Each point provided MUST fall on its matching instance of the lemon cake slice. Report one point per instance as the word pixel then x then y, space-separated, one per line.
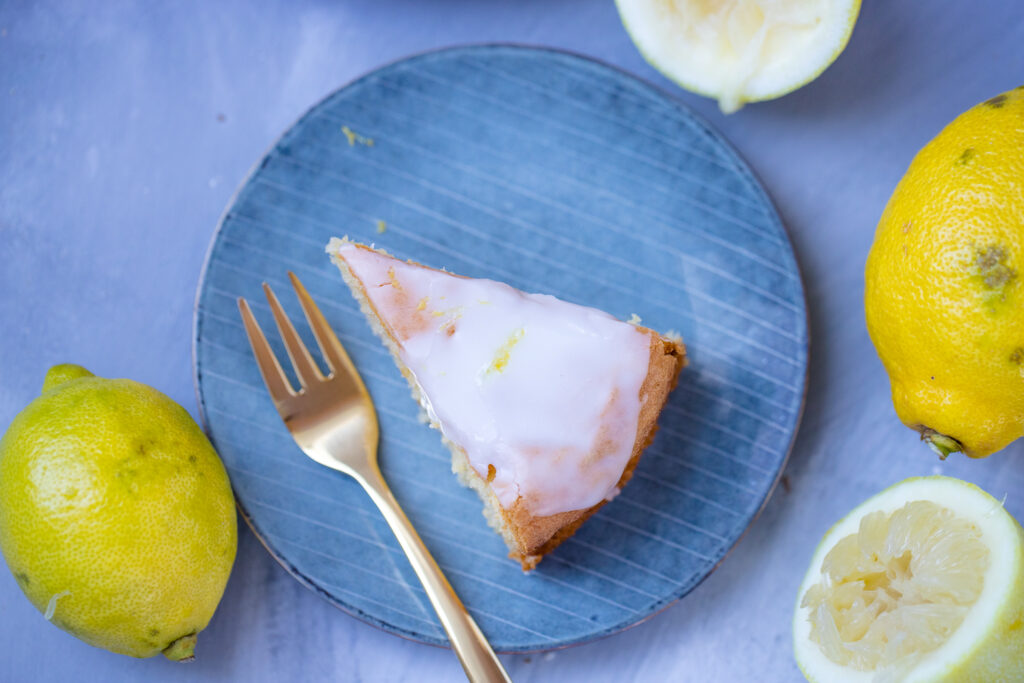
pixel 545 405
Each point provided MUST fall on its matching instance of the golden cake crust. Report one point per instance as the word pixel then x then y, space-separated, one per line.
pixel 538 536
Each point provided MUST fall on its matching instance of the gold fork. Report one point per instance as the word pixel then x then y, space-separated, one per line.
pixel 333 421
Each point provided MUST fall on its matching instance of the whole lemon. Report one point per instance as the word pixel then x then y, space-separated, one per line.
pixel 116 515
pixel 943 296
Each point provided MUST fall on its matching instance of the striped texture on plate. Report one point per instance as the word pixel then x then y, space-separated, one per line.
pixel 555 174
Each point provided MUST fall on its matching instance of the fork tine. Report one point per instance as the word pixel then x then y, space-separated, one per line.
pixel 335 354
pixel 305 369
pixel 273 376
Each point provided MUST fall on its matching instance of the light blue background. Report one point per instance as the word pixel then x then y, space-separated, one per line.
pixel 124 129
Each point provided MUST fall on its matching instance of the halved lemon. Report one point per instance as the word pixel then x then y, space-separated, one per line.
pixel 922 582
pixel 740 51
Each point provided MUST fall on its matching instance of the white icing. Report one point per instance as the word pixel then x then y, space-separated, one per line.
pixel 546 391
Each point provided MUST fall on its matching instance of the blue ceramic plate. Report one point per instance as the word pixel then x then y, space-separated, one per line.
pixel 555 174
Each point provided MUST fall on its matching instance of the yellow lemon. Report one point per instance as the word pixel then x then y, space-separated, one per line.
pixel 116 515
pixel 740 51
pixel 943 296
pixel 922 583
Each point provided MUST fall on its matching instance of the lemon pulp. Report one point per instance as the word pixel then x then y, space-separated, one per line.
pixel 740 50
pixel 921 583
pixel 897 588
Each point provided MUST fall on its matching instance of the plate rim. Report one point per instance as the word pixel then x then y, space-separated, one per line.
pixel 744 168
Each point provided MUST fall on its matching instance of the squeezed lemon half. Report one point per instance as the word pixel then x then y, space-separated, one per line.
pixel 740 51
pixel 922 582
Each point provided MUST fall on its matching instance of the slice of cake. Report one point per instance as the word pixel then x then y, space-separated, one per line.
pixel 545 405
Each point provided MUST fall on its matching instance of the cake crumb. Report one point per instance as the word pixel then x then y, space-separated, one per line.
pixel 634 319
pixel 422 306
pixel 381 227
pixel 393 280
pixel 354 137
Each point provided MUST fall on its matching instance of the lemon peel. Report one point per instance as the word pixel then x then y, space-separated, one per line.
pixel 110 492
pixel 943 295
pixel 51 605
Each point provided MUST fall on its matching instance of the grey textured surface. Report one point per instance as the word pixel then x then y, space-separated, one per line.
pixel 124 129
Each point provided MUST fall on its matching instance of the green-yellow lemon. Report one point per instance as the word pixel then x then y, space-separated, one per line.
pixel 116 515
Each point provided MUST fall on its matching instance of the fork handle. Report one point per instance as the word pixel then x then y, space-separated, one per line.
pixel 471 647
